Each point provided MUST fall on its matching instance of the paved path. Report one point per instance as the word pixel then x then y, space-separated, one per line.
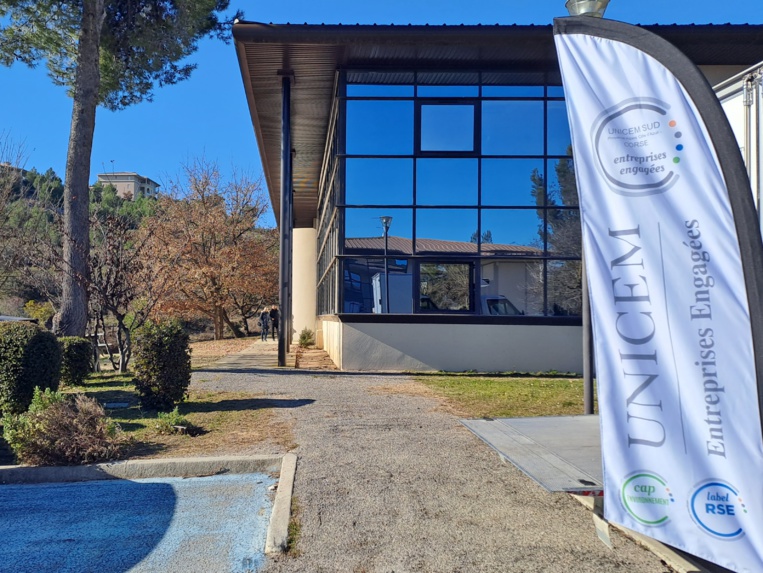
pixel 387 481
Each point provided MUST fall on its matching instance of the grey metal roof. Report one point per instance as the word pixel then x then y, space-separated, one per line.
pixel 314 53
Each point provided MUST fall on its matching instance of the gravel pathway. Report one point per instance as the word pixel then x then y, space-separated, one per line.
pixel 388 482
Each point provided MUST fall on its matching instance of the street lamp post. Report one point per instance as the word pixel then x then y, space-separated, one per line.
pixel 386 221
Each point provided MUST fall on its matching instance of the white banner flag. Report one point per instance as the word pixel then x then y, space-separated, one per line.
pixel 672 248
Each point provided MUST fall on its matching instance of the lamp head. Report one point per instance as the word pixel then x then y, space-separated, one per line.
pixel 386 221
pixel 593 8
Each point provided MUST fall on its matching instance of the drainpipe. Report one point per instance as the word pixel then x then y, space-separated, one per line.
pixel 284 297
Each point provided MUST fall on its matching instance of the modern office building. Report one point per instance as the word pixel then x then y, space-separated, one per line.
pixel 423 183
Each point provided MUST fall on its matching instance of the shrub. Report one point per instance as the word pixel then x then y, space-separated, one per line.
pixel 162 365
pixel 29 356
pixel 174 423
pixel 42 312
pixel 77 359
pixel 306 338
pixel 61 431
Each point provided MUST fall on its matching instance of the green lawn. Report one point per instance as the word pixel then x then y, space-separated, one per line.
pixel 229 422
pixel 503 396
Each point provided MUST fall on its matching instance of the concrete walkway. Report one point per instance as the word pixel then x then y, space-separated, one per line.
pixel 388 481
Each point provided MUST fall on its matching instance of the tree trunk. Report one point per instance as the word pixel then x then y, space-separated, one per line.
pixel 219 324
pixel 233 327
pixel 72 317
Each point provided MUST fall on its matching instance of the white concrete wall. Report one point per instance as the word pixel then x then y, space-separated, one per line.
pixel 305 280
pixel 480 347
pixel 331 336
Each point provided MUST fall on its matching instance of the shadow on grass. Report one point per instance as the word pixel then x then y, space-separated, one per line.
pixel 241 405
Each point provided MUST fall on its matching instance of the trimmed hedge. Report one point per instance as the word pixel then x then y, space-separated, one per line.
pixel 162 365
pixel 77 356
pixel 30 357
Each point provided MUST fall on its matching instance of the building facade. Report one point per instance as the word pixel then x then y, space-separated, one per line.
pixel 129 185
pixel 424 185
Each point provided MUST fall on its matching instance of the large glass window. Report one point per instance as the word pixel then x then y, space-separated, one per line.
pixel 379 127
pixel 445 287
pixel 447 128
pixel 379 181
pixel 364 231
pixel 446 231
pixel 512 127
pixel 447 181
pixel 473 170
pixel 509 182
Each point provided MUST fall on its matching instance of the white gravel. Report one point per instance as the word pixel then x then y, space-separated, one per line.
pixel 389 483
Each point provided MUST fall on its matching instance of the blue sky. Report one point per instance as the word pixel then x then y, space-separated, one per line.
pixel 207 115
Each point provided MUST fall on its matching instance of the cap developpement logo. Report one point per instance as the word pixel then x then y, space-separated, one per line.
pixel 638 147
pixel 647 498
pixel 718 509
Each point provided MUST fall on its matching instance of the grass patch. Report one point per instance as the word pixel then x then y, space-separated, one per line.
pixel 484 396
pixel 226 422
pixel 294 530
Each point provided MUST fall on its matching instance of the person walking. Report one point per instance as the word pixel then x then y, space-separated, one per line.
pixel 274 321
pixel 264 324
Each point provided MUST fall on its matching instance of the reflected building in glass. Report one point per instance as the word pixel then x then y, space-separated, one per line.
pixel 459 134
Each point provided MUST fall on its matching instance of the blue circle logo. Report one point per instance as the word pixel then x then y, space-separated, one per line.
pixel 718 509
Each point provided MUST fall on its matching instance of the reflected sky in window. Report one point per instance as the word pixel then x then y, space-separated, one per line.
pixel 512 127
pixel 559 139
pixel 366 223
pixel 379 182
pixel 446 181
pixel 507 182
pixel 380 127
pixel 445 225
pixel 518 227
pixel 447 127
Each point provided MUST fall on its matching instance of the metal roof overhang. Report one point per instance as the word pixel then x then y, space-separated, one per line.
pixel 314 54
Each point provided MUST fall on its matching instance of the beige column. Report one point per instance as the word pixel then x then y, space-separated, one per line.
pixel 304 280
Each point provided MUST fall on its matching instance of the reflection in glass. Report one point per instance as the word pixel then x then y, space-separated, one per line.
pixel 559 139
pixel 447 127
pixel 364 233
pixel 512 91
pixel 379 182
pixel 446 231
pixel 507 182
pixel 446 181
pixel 379 127
pixel 364 286
pixel 564 288
pixel 514 280
pixel 448 91
pixel 562 185
pixel 378 90
pixel 512 127
pixel 512 232
pixel 445 287
pixel 564 232
pixel 555 91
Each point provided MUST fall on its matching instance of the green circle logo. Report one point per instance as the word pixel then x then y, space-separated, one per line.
pixel 647 498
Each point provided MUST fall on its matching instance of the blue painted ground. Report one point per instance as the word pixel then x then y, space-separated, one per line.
pixel 206 525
